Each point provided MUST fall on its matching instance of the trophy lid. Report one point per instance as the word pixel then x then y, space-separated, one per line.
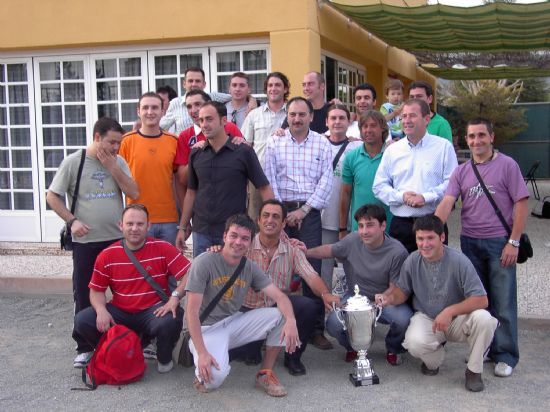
pixel 357 302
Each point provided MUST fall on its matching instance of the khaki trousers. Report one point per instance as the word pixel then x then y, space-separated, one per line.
pixel 476 328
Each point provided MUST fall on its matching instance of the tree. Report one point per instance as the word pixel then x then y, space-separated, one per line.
pixel 534 90
pixel 492 99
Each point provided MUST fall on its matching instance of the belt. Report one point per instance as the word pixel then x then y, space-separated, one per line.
pixel 294 204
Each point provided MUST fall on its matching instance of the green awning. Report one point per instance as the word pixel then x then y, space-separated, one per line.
pixel 492 27
pixel 498 27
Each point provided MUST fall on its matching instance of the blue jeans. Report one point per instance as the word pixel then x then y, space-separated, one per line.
pixel 398 317
pixel 202 241
pixel 164 231
pixel 500 284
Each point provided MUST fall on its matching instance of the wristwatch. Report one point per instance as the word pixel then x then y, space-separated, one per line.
pixel 176 294
pixel 514 243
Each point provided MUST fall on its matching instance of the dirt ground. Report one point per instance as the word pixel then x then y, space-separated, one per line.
pixel 36 373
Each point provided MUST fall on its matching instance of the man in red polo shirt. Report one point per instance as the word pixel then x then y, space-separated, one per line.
pixel 135 303
pixel 194 100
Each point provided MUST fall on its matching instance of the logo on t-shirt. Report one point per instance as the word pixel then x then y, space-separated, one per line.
pixel 192 141
pixel 477 191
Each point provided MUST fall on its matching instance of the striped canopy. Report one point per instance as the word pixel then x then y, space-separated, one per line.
pixel 497 28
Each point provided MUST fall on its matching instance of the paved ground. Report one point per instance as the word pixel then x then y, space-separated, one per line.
pixel 36 373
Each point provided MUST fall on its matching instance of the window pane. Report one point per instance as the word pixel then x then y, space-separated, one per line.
pixel 23 201
pixel 49 71
pixel 52 136
pixel 49 177
pixel 166 65
pixel 20 137
pixel 75 136
pixel 256 82
pixel 19 115
pixel 3 137
pixel 17 72
pixel 3 119
pixel 5 201
pixel 73 70
pixel 4 159
pixel 254 60
pixel 2 76
pixel 5 180
pixel 107 91
pixel 130 89
pixel 190 60
pixel 74 92
pixel 223 83
pixel 18 94
pixel 130 67
pixel 129 112
pixel 2 94
pixel 173 83
pixel 228 61
pixel 107 110
pixel 22 180
pixel 75 114
pixel 52 158
pixel 105 68
pixel 51 115
pixel 21 158
pixel 51 93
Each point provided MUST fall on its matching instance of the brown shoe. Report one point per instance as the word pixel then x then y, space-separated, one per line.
pixel 199 386
pixel 473 381
pixel 320 342
pixel 268 381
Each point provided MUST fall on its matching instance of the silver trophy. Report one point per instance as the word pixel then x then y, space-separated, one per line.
pixel 359 319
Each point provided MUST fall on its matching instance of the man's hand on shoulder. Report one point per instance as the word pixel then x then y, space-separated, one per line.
pixel 298 244
pixel 215 248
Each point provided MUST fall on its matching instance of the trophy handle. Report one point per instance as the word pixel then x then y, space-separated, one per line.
pixel 339 315
pixel 378 314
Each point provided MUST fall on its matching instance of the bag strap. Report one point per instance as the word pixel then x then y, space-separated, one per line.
pixel 229 283
pixel 160 291
pixel 491 200
pixel 78 176
pixel 339 155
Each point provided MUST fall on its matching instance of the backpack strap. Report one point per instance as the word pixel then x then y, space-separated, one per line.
pixel 339 155
pixel 160 291
pixel 229 283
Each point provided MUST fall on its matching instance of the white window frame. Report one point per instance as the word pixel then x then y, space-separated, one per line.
pixel 24 225
pixel 237 48
pixel 153 77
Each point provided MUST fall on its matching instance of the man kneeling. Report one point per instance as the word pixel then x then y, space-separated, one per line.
pixel 225 327
pixel 449 301
pixel 135 303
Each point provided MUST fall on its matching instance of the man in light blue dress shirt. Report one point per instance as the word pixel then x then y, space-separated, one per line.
pixel 414 172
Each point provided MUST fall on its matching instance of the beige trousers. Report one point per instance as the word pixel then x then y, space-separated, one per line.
pixel 476 328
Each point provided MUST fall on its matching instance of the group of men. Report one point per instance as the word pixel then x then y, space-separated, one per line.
pixel 300 168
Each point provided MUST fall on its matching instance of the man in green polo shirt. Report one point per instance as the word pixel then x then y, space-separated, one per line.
pixel 360 167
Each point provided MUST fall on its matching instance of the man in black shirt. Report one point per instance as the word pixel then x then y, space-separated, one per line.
pixel 217 185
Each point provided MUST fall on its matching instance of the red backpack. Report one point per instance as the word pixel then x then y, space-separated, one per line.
pixel 117 360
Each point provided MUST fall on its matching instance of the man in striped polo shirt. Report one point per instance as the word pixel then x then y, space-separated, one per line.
pixel 135 303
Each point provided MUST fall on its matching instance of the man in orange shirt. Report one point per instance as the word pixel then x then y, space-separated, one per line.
pixel 150 154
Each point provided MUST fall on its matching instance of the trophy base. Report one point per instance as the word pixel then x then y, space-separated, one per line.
pixel 371 380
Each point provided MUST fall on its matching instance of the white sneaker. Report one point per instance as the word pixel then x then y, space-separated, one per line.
pixel 503 370
pixel 82 359
pixel 165 367
pixel 150 351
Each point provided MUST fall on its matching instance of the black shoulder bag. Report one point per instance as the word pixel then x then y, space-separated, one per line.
pixel 525 250
pixel 65 236
pixel 339 155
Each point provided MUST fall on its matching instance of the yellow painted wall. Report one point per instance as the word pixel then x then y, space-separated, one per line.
pixel 297 30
